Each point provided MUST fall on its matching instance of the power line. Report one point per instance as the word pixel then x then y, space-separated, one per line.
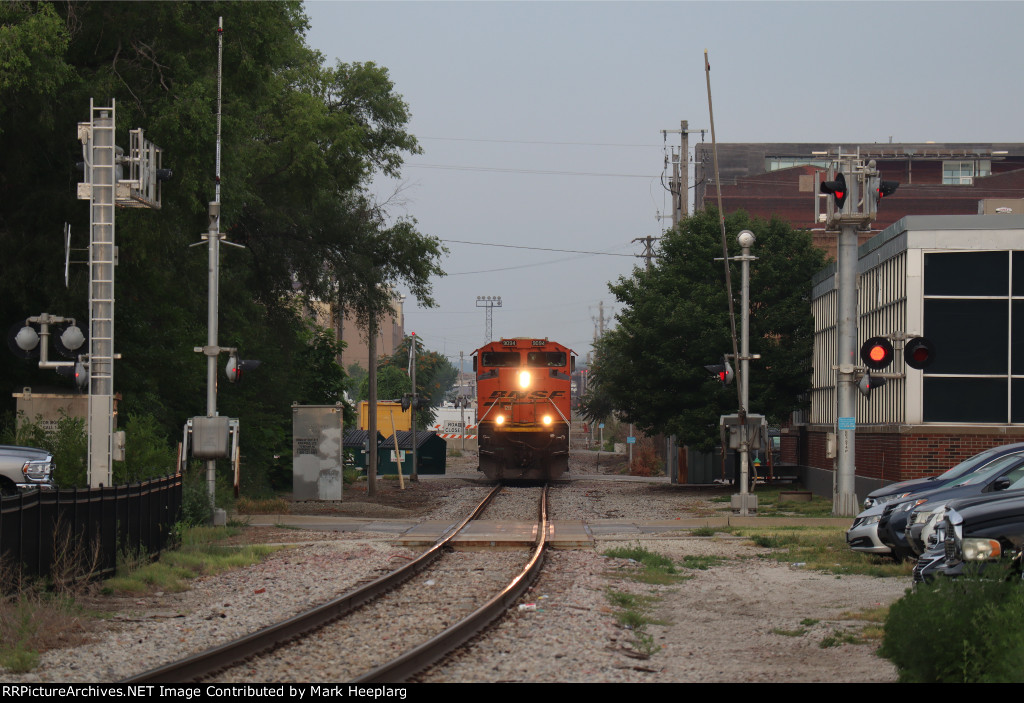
pixel 518 246
pixel 529 141
pixel 529 171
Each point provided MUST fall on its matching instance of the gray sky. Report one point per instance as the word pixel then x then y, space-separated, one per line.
pixel 541 122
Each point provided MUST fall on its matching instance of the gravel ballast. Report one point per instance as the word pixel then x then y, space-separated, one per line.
pixel 746 619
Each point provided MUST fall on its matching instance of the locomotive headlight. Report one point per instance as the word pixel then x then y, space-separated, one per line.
pixel 524 379
pixel 499 420
pixel 546 419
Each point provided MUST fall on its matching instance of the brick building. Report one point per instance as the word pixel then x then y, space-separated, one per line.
pixel 958 280
pixel 935 179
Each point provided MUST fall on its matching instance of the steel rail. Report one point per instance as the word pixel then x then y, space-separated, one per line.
pixel 433 650
pixel 224 656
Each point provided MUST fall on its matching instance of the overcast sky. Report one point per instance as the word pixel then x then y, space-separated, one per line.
pixel 541 122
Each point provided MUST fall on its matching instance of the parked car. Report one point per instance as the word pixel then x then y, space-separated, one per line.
pixel 979 531
pixel 894 491
pixel 997 475
pixel 924 526
pixel 25 468
pixel 863 535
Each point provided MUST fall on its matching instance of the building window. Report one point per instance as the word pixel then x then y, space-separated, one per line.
pixel 964 172
pixel 973 312
pixel 774 163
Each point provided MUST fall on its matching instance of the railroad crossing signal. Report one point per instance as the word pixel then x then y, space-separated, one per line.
pixel 869 383
pixel 837 189
pixel 236 368
pixel 919 352
pixel 877 353
pixel 723 371
pixel 885 189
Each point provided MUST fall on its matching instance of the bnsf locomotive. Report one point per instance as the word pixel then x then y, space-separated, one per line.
pixel 523 406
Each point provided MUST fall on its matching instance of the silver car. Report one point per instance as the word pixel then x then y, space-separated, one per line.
pixel 863 535
pixel 25 468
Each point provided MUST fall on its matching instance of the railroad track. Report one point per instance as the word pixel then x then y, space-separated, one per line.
pixel 244 651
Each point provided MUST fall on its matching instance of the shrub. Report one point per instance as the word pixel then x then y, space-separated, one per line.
pixel 964 630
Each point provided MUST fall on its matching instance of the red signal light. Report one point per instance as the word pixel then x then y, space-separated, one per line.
pixel 877 353
pixel 837 189
pixel 919 352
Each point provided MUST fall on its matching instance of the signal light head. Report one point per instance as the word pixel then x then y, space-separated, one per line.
pixel 837 189
pixel 869 383
pixel 886 188
pixel 877 353
pixel 919 353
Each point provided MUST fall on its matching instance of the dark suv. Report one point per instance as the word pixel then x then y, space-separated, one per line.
pixel 25 468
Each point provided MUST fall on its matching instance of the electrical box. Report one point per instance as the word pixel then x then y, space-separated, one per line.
pixel 211 437
pixel 830 445
pixel 730 425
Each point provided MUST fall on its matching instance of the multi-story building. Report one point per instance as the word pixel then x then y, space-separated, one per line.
pixel 390 333
pixel 959 281
pixel 935 179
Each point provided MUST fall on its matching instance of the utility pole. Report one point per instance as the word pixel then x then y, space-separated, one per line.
pixel 414 405
pixel 648 243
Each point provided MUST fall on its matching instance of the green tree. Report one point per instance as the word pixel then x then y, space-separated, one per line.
pixel 301 142
pixel 674 320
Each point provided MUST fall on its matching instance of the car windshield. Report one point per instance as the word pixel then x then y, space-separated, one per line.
pixel 982 475
pixel 965 466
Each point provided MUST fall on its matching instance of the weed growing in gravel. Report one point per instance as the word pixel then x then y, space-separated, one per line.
pixel 199 555
pixel 703 562
pixel 632 615
pixel 262 506
pixel 654 568
pixel 33 620
pixel 789 633
pixel 822 549
pixel 809 622
pixel 840 637
pixel 703 532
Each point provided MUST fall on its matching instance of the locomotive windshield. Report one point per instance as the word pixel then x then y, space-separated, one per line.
pixel 541 358
pixel 502 358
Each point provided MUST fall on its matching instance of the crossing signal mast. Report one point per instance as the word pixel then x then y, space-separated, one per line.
pixel 852 190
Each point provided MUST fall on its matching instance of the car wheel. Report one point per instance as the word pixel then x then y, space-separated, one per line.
pixel 7 488
pixel 901 554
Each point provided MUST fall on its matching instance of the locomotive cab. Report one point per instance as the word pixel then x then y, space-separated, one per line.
pixel 523 404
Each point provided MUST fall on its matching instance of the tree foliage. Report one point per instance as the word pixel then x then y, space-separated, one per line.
pixel 301 141
pixel 674 320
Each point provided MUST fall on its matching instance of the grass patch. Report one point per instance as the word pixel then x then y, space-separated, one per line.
pixel 653 568
pixel 822 549
pixel 839 638
pixel 769 503
pixel 199 555
pixel 33 620
pixel 703 532
pixel 788 633
pixel 703 562
pixel 632 615
pixel 262 506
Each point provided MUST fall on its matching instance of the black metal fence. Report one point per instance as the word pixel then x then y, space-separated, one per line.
pixel 81 531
